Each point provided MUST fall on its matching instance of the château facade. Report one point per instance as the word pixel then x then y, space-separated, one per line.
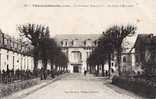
pixel 78 48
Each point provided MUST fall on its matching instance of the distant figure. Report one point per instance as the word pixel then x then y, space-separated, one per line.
pixel 42 73
pixel 85 72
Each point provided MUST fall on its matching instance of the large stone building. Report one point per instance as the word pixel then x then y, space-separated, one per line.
pixel 127 61
pixel 145 52
pixel 77 47
pixel 15 54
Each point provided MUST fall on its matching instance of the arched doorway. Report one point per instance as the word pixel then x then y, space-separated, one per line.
pixel 76 69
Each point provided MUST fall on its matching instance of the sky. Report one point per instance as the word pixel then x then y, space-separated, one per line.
pixel 79 17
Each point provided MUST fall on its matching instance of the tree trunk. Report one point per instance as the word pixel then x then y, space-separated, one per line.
pixel 35 66
pixel 119 59
pixel 44 62
pixel 90 68
pixel 52 70
pixel 98 70
pixel 35 55
pixel 87 67
pixel 35 63
pixel 102 69
pixel 109 64
pixel 52 63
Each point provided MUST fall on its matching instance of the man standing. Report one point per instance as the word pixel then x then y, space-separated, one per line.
pixel 85 72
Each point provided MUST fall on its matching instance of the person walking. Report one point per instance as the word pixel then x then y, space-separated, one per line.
pixel 85 72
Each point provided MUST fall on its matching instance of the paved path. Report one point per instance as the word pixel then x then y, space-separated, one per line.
pixel 77 86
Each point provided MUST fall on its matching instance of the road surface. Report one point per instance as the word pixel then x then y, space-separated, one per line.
pixel 77 86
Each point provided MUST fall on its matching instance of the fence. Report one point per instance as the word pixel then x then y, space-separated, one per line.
pixel 9 76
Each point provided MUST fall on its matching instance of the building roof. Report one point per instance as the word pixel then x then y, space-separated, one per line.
pixel 80 37
pixel 143 39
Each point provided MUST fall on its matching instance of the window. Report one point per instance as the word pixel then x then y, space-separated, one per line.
pixel 88 42
pixel 7 57
pixel 84 43
pixel 124 59
pixel 72 43
pixel 13 61
pixel 87 54
pixel 66 43
pixel 76 56
pixel 96 42
pixel 75 42
pixel 11 44
pixel 5 41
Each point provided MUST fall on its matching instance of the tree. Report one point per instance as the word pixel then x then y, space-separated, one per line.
pixel 97 58
pixel 117 34
pixel 52 49
pixel 36 34
pixel 61 60
pixel 45 48
pixel 106 45
pixel 110 42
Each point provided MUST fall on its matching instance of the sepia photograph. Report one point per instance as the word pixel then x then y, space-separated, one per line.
pixel 77 49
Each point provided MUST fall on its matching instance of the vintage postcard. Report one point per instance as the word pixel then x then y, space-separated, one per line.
pixel 77 49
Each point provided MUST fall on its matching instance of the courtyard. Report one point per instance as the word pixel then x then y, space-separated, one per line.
pixel 78 86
